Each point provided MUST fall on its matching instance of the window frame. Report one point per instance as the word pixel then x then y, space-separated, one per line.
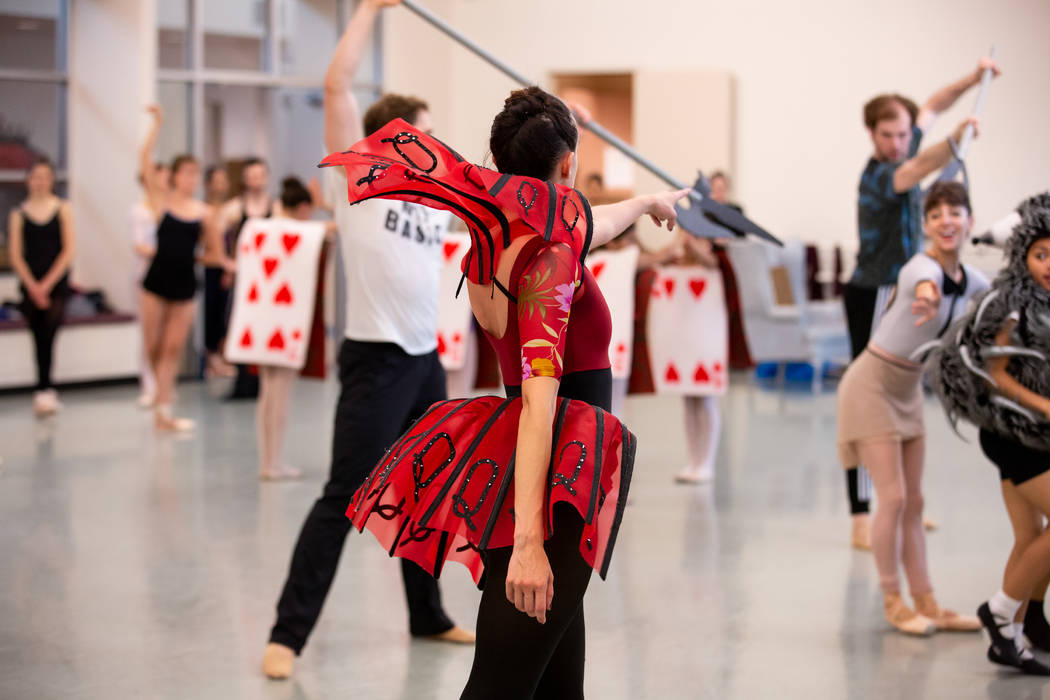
pixel 197 76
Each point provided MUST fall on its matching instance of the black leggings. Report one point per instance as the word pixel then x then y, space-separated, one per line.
pixel 43 324
pixel 216 305
pixel 516 656
pixel 860 311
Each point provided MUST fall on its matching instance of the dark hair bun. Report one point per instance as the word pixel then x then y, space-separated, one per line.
pixel 534 131
pixel 294 193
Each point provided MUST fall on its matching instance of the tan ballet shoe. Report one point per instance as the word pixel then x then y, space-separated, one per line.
pixel 456 635
pixel 861 535
pixel 174 425
pixel 695 475
pixel 945 620
pixel 278 661
pixel 905 619
pixel 281 474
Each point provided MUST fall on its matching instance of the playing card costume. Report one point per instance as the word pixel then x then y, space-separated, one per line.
pixel 445 489
pixel 274 293
pixel 957 367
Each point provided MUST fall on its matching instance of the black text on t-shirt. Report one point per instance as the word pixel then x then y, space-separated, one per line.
pixel 407 223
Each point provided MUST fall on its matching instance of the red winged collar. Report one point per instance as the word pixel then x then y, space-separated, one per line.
pixel 401 162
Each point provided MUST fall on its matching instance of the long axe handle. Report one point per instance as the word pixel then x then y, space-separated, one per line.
pixel 596 128
pixel 951 171
pixel 986 80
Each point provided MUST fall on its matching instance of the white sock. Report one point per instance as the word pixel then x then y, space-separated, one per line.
pixel 1004 610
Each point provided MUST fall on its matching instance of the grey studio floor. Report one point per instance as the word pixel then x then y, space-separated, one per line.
pixel 138 566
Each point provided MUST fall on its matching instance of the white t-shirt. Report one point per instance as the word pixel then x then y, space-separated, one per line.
pixel 144 233
pixel 392 263
pixel 897 332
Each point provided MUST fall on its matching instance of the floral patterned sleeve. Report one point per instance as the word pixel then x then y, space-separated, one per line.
pixel 545 291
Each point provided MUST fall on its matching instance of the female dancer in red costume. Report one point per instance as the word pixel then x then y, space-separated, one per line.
pixel 528 491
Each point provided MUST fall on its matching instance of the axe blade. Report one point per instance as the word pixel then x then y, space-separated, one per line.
pixel 707 218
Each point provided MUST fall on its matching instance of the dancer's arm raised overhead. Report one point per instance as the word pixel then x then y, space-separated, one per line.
pixel 944 98
pixel 342 114
pixel 914 170
pixel 150 184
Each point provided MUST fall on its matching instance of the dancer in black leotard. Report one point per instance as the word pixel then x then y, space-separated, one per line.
pixel 41 248
pixel 171 282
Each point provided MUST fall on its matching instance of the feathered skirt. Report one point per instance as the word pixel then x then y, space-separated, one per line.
pixel 445 489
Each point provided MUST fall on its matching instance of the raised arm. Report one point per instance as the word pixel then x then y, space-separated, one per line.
pixel 342 114
pixel 1007 385
pixel 944 98
pixel 610 220
pixel 912 171
pixel 146 152
pixel 65 256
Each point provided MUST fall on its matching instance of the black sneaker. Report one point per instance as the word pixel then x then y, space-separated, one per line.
pixel 1030 666
pixel 1004 646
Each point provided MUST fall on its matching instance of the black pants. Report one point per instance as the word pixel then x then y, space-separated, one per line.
pixel 860 311
pixel 216 306
pixel 44 324
pixel 384 390
pixel 516 656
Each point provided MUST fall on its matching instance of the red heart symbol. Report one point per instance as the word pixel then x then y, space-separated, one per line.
pixel 289 241
pixel 621 348
pixel 457 337
pixel 656 292
pixel 246 339
pixel 246 248
pixel 283 296
pixel 269 265
pixel 597 268
pixel 259 238
pixel 297 334
pixel 669 286
pixel 253 293
pixel 700 376
pixel 671 375
pixel 697 285
pixel 276 341
pixel 450 249
pixel 441 345
pixel 717 367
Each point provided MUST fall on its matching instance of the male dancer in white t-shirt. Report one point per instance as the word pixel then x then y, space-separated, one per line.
pixel 388 363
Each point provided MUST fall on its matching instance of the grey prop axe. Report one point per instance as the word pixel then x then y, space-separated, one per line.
pixel 957 163
pixel 704 217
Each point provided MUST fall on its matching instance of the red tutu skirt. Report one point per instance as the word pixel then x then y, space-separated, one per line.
pixel 445 489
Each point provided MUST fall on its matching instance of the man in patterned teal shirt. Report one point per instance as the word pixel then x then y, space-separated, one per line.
pixel 888 220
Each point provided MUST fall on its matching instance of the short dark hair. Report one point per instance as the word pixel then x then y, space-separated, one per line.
pixel 253 160
pixel 41 160
pixel 888 106
pixel 211 170
pixel 952 193
pixel 390 107
pixel 534 130
pixel 294 193
pixel 181 160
